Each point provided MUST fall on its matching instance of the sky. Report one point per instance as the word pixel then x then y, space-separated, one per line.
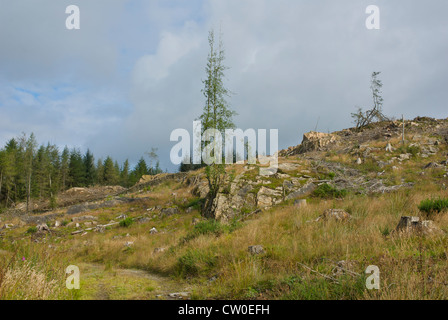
pixel 133 72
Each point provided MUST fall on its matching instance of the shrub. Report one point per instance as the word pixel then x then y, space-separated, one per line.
pixel 31 230
pixel 432 206
pixel 126 223
pixel 328 191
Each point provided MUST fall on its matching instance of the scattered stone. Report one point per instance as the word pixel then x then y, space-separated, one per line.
pixel 406 156
pixel 159 250
pixel 43 228
pixel 8 226
pixel 121 217
pixel 153 231
pixel 358 161
pixel 129 244
pixel 288 166
pixel 57 224
pixel 195 221
pixel 169 211
pixel 180 295
pixel 144 220
pixel 100 229
pixel 389 148
pixel 305 190
pixel 336 214
pixel 83 218
pixel 255 250
pixel 432 165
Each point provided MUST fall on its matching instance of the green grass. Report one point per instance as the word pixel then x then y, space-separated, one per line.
pixel 126 223
pixel 433 206
pixel 327 191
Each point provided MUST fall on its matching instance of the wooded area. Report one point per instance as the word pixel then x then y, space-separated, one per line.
pixel 41 172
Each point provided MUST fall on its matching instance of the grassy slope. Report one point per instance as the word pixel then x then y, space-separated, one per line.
pixel 212 260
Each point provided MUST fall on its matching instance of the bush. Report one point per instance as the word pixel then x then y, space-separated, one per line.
pixel 432 206
pixel 31 230
pixel 126 223
pixel 328 191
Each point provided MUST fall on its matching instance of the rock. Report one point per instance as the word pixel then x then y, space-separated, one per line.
pixel 153 231
pixel 195 221
pixel 389 148
pixel 255 250
pixel 336 214
pixel 144 220
pixel 358 161
pixel 288 166
pixel 179 295
pixel 8 226
pixel 300 203
pixel 432 165
pixel 268 197
pixel 159 250
pixel 83 218
pixel 121 217
pixel 43 228
pixel 129 244
pixel 100 229
pixel 169 211
pixel 57 224
pixel 317 141
pixel 305 190
pixel 406 156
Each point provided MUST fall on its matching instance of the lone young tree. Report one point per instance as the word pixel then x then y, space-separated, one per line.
pixel 362 118
pixel 216 115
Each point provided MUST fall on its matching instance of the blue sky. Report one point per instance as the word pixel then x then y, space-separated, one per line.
pixel 133 72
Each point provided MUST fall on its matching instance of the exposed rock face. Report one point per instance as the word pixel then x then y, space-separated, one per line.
pixel 266 197
pixel 317 141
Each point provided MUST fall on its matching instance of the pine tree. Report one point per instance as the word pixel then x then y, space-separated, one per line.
pixel 110 172
pixel 89 164
pixel 216 115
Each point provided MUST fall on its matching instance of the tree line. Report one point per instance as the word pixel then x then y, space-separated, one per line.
pixel 28 170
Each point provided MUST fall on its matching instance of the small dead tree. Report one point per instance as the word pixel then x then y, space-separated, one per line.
pixel 364 118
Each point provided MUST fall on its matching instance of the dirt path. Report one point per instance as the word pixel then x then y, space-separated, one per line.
pixel 101 283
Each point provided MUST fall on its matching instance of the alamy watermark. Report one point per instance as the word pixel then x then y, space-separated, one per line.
pixel 73 279
pixel 236 143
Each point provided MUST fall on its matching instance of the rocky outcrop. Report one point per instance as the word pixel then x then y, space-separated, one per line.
pixel 317 141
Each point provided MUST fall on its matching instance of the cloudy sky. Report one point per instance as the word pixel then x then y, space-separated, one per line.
pixel 134 71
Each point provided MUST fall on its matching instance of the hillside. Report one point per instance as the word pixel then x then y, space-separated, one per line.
pixel 334 207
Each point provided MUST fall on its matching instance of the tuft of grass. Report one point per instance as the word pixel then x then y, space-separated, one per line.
pixel 433 206
pixel 31 230
pixel 126 223
pixel 328 191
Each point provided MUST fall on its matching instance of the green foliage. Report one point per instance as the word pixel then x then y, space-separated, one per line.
pixel 212 227
pixel 126 223
pixel 327 191
pixel 31 230
pixel 433 206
